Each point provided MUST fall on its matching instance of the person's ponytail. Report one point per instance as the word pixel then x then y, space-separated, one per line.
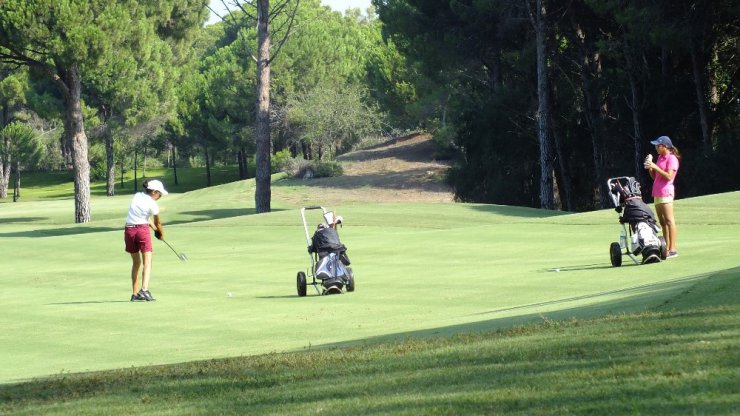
pixel 676 153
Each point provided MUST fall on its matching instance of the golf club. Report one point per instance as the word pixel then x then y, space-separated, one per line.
pixel 181 256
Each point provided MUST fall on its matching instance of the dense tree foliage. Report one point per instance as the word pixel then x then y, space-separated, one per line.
pixel 537 102
pixel 321 102
pixel 12 96
pixel 19 146
pixel 99 42
pixel 619 73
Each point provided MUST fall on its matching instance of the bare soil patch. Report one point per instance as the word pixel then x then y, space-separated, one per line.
pixel 399 170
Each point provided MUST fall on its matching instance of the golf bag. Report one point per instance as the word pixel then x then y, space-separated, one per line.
pixel 643 230
pixel 332 258
pixel 330 270
pixel 325 241
pixel 640 218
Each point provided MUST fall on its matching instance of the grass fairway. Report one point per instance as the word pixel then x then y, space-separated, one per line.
pixel 443 283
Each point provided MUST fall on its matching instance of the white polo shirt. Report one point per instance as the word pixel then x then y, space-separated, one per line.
pixel 141 209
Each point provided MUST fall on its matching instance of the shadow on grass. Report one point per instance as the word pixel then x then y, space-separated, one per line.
pixel 390 180
pixel 58 185
pixel 516 211
pixel 419 151
pixel 674 362
pixel 280 297
pixel 56 232
pixel 88 302
pixel 653 287
pixel 644 295
pixel 595 266
pixel 198 216
pixel 212 214
pixel 21 219
pixel 215 214
pixel 639 298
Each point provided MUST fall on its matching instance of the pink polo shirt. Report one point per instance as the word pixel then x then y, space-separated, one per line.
pixel 663 187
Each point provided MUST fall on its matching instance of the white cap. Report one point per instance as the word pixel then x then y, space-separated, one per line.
pixel 338 219
pixel 155 185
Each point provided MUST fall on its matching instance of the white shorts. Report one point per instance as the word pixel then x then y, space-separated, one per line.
pixel 663 200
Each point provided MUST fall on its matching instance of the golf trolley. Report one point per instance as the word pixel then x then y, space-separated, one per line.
pixel 639 234
pixel 329 271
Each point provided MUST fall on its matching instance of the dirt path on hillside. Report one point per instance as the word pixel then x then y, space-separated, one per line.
pixel 399 170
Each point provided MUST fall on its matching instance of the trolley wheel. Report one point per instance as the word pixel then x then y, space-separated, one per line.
pixel 615 252
pixel 350 280
pixel 663 248
pixel 301 284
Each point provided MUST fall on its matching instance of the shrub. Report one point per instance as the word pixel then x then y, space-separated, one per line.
pixel 98 171
pixel 327 169
pixel 307 169
pixel 302 168
pixel 281 161
pixel 297 167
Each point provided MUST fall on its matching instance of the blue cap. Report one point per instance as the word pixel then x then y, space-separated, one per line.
pixel 664 140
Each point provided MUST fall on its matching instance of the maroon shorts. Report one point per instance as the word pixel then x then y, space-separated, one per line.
pixel 137 238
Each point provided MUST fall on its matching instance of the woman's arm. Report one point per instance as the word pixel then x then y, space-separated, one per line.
pixel 653 169
pixel 157 227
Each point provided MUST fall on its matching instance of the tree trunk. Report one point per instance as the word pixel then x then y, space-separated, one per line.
pixel 493 66
pixel 174 162
pixel 66 148
pixel 4 163
pixel 143 164
pixel 701 97
pixel 589 68
pixel 293 149
pixel 3 181
pixel 136 168
pixel 306 150
pixel 5 172
pixel 242 163
pixel 566 189
pixel 208 166
pixel 110 164
pixel 637 129
pixel 245 162
pixel 637 138
pixel 122 172
pixel 17 183
pixel 262 194
pixel 547 192
pixel 74 133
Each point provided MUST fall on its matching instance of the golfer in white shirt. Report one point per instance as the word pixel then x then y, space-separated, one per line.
pixel 138 239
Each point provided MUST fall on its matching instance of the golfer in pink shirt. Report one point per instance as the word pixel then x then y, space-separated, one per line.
pixel 663 171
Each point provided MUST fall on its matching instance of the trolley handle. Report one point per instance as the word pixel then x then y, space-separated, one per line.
pixel 303 217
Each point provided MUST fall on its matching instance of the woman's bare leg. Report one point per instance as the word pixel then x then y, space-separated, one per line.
pixel 147 270
pixel 135 268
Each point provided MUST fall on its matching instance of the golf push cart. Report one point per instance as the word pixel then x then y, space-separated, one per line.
pixel 639 234
pixel 329 272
